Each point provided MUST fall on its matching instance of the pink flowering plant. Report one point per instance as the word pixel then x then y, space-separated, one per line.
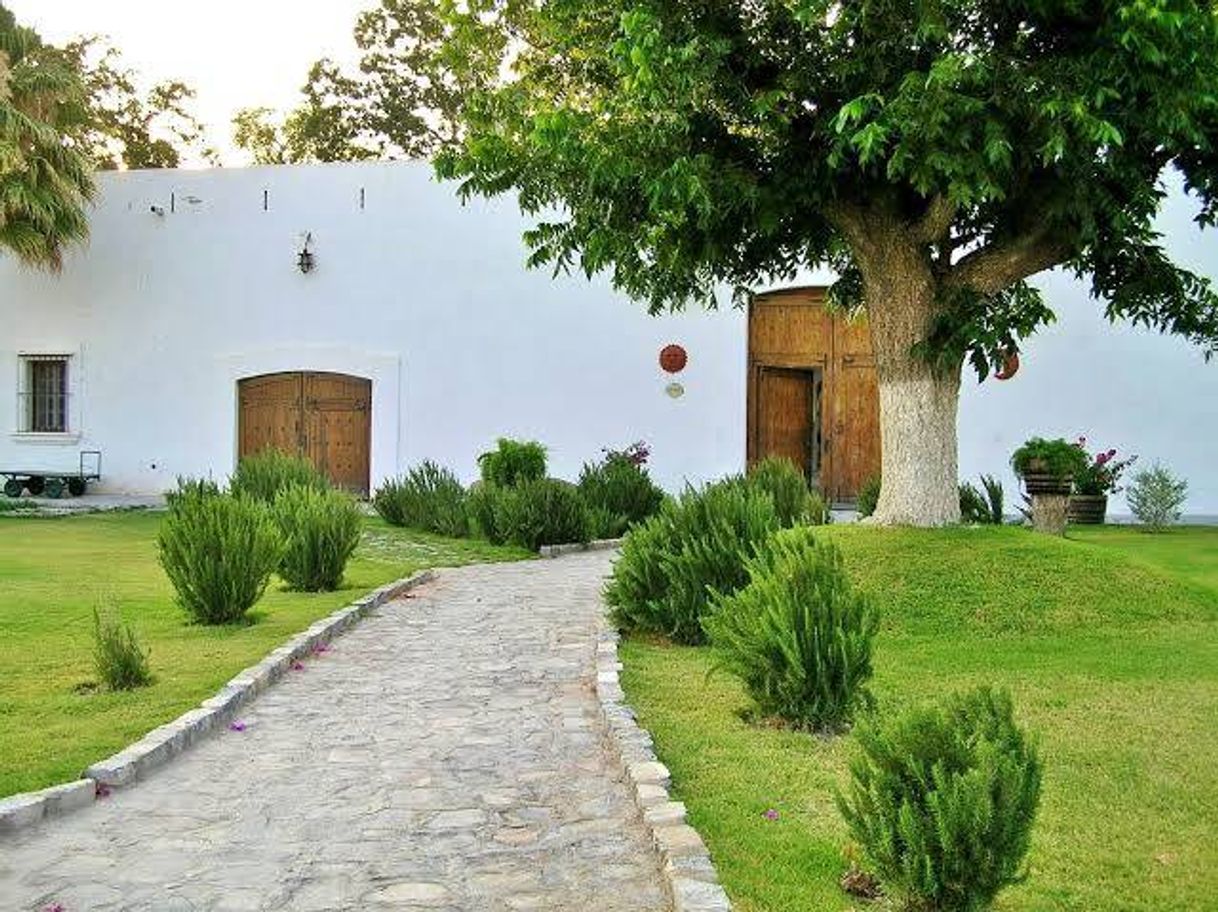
pixel 1102 475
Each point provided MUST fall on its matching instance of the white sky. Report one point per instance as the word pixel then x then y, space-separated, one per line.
pixel 233 53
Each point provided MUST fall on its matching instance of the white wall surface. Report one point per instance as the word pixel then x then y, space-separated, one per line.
pixel 431 300
pixel 428 298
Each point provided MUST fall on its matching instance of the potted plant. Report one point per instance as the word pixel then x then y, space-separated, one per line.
pixel 1048 466
pixel 1100 477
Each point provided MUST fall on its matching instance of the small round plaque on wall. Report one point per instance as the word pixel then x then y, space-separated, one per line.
pixel 675 390
pixel 673 358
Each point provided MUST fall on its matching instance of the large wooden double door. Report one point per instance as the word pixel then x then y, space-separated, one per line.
pixel 324 417
pixel 813 396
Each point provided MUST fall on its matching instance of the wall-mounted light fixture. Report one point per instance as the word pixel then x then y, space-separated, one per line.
pixel 305 259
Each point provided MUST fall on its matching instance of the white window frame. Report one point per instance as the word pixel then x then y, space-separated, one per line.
pixel 71 431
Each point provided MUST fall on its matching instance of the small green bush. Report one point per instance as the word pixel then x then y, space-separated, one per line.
pixel 265 474
pixel 543 511
pixel 1156 497
pixel 192 487
pixel 869 495
pixel 481 505
pixel 117 655
pixel 942 801
pixel 513 462
pixel 794 502
pixel 321 530
pixel 695 546
pixel 427 497
pixel 1052 457
pixel 219 552
pixel 797 635
pixel 619 493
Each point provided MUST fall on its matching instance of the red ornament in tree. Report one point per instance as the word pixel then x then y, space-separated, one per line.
pixel 1010 366
pixel 673 358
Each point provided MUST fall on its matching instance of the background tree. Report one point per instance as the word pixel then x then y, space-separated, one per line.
pixel 401 103
pixel 45 177
pixel 935 153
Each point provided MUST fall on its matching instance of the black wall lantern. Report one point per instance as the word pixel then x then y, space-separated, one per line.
pixel 305 259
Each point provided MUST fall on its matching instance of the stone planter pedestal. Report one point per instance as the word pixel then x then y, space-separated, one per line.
pixel 1049 513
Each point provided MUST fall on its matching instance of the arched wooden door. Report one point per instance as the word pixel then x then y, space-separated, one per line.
pixel 324 417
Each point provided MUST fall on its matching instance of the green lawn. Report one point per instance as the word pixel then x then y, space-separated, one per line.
pixel 53 572
pixel 1109 642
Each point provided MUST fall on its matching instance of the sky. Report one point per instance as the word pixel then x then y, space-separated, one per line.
pixel 233 53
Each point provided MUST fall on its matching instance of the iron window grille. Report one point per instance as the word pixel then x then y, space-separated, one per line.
pixel 44 394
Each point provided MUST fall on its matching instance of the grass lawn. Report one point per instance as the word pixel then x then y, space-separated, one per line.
pixel 53 571
pixel 1109 643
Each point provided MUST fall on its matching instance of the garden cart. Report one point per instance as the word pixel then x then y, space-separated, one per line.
pixel 52 483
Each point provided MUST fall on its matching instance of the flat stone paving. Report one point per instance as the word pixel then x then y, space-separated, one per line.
pixel 445 754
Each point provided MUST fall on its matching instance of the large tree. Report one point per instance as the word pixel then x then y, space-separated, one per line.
pixel 45 178
pixel 936 153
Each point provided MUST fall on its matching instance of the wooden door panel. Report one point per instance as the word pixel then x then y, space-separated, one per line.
pixel 784 415
pixel 856 440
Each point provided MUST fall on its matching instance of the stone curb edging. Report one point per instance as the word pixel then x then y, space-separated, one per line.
pixel 599 544
pixel 162 744
pixel 689 873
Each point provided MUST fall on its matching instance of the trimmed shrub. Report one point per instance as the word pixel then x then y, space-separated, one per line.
pixel 1156 497
pixel 513 462
pixel 619 493
pixel 797 635
pixel 1053 457
pixel 321 530
pixel 264 475
pixel 869 496
pixel 942 801
pixel 544 511
pixel 427 497
pixel 695 546
pixel 785 483
pixel 117 655
pixel 219 552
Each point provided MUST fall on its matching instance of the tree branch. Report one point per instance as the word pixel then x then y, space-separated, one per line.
pixel 1002 263
pixel 936 221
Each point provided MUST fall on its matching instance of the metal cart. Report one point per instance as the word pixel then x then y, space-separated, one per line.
pixel 52 483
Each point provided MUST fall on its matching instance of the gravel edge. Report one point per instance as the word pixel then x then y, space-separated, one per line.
pixel 162 744
pixel 689 873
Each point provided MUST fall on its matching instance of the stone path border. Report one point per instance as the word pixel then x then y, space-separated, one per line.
pixel 162 744
pixel 599 544
pixel 689 873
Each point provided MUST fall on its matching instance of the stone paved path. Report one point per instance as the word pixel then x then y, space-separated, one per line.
pixel 445 754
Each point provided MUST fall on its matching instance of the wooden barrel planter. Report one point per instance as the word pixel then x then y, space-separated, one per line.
pixel 1045 483
pixel 1088 509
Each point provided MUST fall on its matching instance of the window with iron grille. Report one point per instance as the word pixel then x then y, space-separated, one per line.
pixel 44 392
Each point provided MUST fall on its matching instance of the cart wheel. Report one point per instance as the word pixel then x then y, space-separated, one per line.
pixel 34 484
pixel 53 487
pixel 13 487
pixel 76 486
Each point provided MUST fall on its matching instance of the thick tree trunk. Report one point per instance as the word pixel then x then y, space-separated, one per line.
pixel 917 404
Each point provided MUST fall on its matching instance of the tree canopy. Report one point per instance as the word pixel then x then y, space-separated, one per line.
pixel 689 145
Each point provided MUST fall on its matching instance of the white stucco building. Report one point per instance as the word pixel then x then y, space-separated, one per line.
pixel 191 285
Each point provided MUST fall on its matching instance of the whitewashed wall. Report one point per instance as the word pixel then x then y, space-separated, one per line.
pixel 431 300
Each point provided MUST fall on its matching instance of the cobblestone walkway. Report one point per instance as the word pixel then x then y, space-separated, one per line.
pixel 445 754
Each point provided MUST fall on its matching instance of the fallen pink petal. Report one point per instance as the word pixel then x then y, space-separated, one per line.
pixel 771 814
pixel 237 726
pixel 298 666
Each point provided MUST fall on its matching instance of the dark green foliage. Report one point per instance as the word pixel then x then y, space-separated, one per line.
pixel 794 502
pixel 513 462
pixel 264 475
pixel 619 493
pixel 797 635
pixel 120 661
pixel 320 530
pixel 980 508
pixel 428 497
pixel 543 511
pixel 1051 457
pixel 942 800
pixel 1156 497
pixel 869 495
pixel 219 552
pixel 695 546
pixel 481 505
pixel 192 488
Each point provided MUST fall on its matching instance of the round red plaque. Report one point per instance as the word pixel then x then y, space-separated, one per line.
pixel 673 358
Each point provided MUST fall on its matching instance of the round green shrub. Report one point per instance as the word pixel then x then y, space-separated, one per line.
pixel 695 546
pixel 543 511
pixel 1053 457
pixel 427 497
pixel 263 475
pixel 942 801
pixel 321 530
pixel 797 635
pixel 794 501
pixel 513 462
pixel 219 552
pixel 619 494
